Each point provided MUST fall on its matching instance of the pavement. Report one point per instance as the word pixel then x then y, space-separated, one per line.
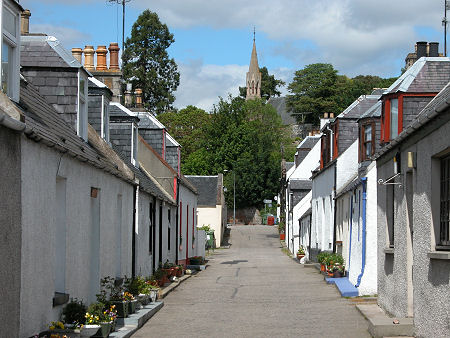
pixel 253 289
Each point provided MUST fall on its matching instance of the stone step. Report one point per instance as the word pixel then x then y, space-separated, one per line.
pixel 381 325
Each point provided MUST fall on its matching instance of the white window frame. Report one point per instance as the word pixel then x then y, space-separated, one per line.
pixel 13 42
pixel 105 119
pixel 134 144
pixel 82 110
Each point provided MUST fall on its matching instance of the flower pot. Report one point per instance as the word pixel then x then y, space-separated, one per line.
pixel 300 256
pixel 104 330
pixel 282 237
pixel 122 308
pixel 69 333
pixel 338 274
pixel 89 330
pixel 179 272
pixel 153 295
pixel 322 267
pixel 143 299
pixel 132 306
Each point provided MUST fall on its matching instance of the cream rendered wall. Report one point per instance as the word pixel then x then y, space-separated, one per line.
pixel 40 167
pixel 186 248
pixel 213 218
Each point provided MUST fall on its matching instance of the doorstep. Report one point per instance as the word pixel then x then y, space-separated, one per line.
pixel 381 325
pixel 127 326
pixel 344 286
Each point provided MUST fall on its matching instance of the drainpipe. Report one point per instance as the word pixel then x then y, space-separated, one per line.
pixel 133 239
pixel 351 230
pixel 310 225
pixel 364 201
pixel 176 219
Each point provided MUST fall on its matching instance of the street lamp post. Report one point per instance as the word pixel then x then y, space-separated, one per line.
pixel 234 196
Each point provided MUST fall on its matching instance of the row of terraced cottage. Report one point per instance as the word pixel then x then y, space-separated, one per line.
pixel 90 188
pixel 374 186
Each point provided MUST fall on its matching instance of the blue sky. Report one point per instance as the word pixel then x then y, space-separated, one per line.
pixel 213 38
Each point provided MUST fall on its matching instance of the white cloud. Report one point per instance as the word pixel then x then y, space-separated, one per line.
pixel 356 36
pixel 68 36
pixel 201 84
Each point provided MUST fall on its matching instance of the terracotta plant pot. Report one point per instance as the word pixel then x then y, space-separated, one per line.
pixel 282 237
pixel 322 267
pixel 300 256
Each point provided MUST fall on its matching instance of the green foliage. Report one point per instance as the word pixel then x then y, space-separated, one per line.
pixel 318 89
pixel 269 85
pixel 206 228
pixel 323 257
pixel 188 127
pixel 146 63
pixel 74 312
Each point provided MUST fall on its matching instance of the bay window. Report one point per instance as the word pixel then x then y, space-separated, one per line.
pixel 394 119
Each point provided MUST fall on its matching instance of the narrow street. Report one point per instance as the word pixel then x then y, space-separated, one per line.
pixel 254 290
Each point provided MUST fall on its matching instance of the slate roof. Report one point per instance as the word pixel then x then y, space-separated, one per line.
pixel 300 184
pixel 207 189
pixel 48 127
pixel 45 51
pixel 118 113
pixel 358 107
pixel 148 121
pixel 374 111
pixel 171 142
pixel 145 182
pixel 289 165
pixel 309 142
pixel 439 105
pixel 279 103
pixel 426 75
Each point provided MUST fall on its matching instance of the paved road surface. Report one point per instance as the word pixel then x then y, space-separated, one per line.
pixel 254 290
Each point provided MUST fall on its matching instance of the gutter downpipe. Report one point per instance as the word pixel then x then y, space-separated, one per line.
pixel 133 239
pixel 364 201
pixel 177 220
pixel 351 231
pixel 310 226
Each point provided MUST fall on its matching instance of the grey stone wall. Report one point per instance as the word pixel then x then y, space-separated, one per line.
pixel 431 282
pixel 172 157
pixel 95 112
pixel 348 133
pixel 10 225
pixel 153 137
pixel 411 107
pixel 60 89
pixel 120 136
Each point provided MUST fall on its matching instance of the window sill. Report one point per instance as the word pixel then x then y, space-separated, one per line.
pixel 388 251
pixel 444 255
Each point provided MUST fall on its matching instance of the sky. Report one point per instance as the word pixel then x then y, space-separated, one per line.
pixel 213 39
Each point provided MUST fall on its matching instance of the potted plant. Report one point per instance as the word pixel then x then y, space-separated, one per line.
pixel 128 297
pixel 92 325
pixel 102 315
pixel 74 313
pixel 338 270
pixel 281 229
pixel 59 329
pixel 322 258
pixel 111 293
pixel 300 252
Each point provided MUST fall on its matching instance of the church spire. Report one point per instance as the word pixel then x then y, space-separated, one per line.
pixel 253 82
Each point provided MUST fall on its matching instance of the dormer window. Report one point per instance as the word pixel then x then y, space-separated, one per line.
pixel 367 141
pixel 82 116
pixel 9 51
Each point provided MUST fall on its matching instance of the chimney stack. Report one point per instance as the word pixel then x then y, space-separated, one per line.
pixel 434 49
pixel 77 53
pixel 89 57
pixel 25 22
pixel 114 56
pixel 138 93
pixel 101 58
pixel 421 49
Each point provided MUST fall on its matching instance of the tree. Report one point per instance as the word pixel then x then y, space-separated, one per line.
pixel 146 63
pixel 269 85
pixel 312 91
pixel 187 126
pixel 318 89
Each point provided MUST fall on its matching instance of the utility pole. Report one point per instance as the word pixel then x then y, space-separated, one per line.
pixel 444 23
pixel 121 2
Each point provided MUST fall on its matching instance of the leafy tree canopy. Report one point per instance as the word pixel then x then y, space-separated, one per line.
pixel 187 126
pixel 243 137
pixel 269 85
pixel 318 89
pixel 147 65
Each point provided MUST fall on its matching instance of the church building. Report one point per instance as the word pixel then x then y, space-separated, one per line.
pixel 253 82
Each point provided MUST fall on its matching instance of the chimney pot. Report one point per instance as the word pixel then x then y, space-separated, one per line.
pixel 127 98
pixel 25 22
pixel 331 115
pixel 325 115
pixel 101 58
pixel 434 49
pixel 114 56
pixel 89 57
pixel 77 53
pixel 421 49
pixel 138 93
